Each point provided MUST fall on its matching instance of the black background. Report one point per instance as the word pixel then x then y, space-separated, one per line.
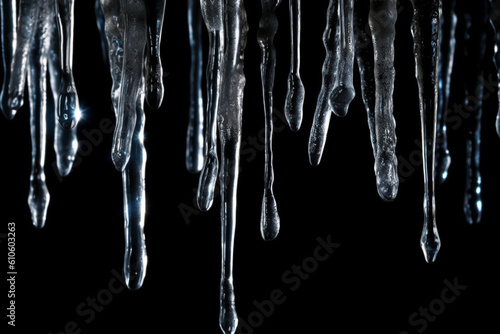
pixel 374 281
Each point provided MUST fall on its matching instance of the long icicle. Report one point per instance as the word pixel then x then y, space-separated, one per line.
pixel 269 221
pixel 426 35
pixel 8 31
pixel 296 92
pixel 213 16
pixel 323 112
pixel 229 120
pixel 382 20
pixel 195 143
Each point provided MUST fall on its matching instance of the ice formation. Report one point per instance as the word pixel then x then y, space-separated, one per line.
pixel 37 40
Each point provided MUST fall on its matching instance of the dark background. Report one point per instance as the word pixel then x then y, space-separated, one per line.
pixel 374 281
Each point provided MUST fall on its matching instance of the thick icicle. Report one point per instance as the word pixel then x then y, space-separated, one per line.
pixel 8 31
pixel 154 68
pixel 447 55
pixel 68 107
pixel 229 121
pixel 213 16
pixel 382 20
pixel 126 42
pixel 343 90
pixel 476 18
pixel 27 25
pixel 295 93
pixel 269 221
pixel 37 55
pixel 363 50
pixel 323 112
pixel 65 139
pixel 195 143
pixel 426 35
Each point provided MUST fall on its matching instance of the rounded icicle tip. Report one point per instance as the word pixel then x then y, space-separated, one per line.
pixel 269 220
pixel 228 318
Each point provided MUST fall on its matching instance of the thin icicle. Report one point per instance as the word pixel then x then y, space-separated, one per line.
pixel 296 92
pixel 195 143
pixel 268 26
pixel 154 68
pixel 39 197
pixel 213 16
pixel 8 31
pixel 229 121
pixel 343 90
pixel 447 55
pixel 495 22
pixel 476 19
pixel 382 20
pixel 323 112
pixel 426 35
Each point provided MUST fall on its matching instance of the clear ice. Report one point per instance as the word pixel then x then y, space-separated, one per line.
pixel 195 141
pixel 213 16
pixel 426 33
pixel 8 30
pixel 295 94
pixel 126 33
pixel 495 23
pixel 268 25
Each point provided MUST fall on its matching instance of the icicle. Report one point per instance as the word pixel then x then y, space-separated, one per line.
pixel 65 139
pixel 69 106
pixel 213 16
pixel 343 90
pixel 100 21
pixel 382 20
pixel 476 18
pixel 154 69
pixel 195 142
pixel 447 54
pixel 295 94
pixel 229 121
pixel 322 114
pixel 8 31
pixel 495 22
pixel 126 33
pixel 28 16
pixel 270 221
pixel 363 49
pixel 426 35
pixel 37 55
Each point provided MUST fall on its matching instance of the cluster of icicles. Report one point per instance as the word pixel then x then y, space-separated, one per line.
pixel 37 40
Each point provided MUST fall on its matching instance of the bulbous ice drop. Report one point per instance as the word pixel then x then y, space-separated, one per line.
pixel 27 25
pixel 425 28
pixel 229 122
pixel 343 90
pixel 154 67
pixel 446 60
pixel 195 143
pixel 8 34
pixel 363 50
pixel 268 26
pixel 382 21
pixel 213 16
pixel 37 57
pixel 322 114
pixel 68 107
pixel 296 92
pixel 477 19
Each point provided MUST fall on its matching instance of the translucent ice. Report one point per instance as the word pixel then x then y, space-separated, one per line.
pixel 495 22
pixel 213 16
pixel 426 32
pixel 229 121
pixel 382 21
pixel 268 25
pixel 195 143
pixel 322 114
pixel 8 31
pixel 295 93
